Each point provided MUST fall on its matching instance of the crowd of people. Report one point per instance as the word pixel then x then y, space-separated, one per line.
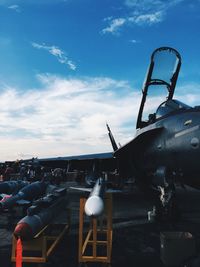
pixel 30 171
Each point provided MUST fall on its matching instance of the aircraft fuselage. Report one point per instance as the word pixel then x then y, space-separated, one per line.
pixel 172 142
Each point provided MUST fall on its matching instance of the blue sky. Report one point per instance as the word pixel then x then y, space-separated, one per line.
pixel 69 66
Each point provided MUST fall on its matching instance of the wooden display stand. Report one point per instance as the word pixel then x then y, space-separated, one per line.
pixel 97 246
pixel 43 244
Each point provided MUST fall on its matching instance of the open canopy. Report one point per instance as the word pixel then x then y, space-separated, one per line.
pixel 163 72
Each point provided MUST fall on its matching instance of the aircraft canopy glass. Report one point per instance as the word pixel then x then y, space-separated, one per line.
pixel 170 106
pixel 165 65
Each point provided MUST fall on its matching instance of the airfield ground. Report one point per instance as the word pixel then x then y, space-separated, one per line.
pixel 136 241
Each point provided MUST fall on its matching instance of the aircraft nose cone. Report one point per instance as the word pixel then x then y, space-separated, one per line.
pixel 94 206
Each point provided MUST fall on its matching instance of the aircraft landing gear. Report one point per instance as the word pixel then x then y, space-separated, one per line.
pixel 166 208
pixel 165 202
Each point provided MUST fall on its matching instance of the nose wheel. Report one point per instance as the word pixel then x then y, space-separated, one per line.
pixel 166 208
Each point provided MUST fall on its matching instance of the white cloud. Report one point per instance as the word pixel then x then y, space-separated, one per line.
pixel 156 5
pixel 15 8
pixel 114 26
pixel 133 41
pixel 141 13
pixel 66 117
pixel 147 19
pixel 58 53
pixel 188 93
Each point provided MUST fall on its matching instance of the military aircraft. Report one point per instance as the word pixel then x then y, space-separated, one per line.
pixel 166 147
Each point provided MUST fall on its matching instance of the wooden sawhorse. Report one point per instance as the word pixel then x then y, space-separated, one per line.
pixel 97 245
pixel 39 249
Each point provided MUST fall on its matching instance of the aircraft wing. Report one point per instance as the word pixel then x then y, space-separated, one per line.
pixel 82 162
pixel 104 161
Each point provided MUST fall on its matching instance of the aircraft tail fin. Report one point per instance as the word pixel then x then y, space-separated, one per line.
pixel 112 139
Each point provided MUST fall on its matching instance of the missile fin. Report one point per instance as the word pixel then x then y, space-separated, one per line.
pixel 84 189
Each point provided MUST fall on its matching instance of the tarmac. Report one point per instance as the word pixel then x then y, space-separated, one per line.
pixel 136 241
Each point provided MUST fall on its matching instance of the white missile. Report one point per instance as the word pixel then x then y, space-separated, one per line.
pixel 94 205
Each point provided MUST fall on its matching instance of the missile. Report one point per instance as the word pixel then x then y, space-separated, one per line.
pixel 94 204
pixel 10 187
pixel 28 193
pixel 41 213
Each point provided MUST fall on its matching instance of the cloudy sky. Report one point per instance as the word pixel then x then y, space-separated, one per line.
pixel 69 66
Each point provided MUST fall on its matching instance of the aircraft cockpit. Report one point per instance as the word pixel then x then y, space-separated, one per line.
pixel 170 106
pixel 162 75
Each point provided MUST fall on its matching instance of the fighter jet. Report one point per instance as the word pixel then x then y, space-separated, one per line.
pixel 166 147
